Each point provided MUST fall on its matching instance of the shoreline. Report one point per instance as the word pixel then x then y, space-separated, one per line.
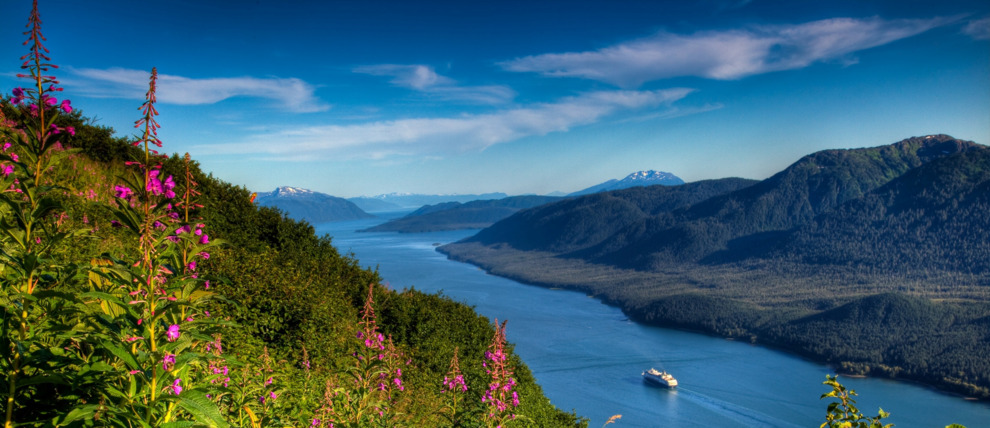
pixel 752 338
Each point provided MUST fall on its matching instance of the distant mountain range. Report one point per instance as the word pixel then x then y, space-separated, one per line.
pixel 479 214
pixel 876 260
pixel 404 201
pixel 636 179
pixel 313 207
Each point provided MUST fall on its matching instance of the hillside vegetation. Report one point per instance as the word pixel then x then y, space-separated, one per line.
pixel 137 290
pixel 898 231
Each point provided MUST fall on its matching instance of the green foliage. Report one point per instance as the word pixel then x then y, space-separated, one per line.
pixel 843 413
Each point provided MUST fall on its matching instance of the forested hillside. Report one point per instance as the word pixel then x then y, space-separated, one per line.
pixel 578 223
pixel 896 231
pixel 138 290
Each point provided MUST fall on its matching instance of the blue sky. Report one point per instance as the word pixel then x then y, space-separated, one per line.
pixel 368 97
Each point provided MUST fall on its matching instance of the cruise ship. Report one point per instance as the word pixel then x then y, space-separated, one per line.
pixel 660 378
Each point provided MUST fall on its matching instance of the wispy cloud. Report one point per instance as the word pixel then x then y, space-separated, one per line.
pixel 441 136
pixel 725 55
pixel 978 29
pixel 292 94
pixel 424 79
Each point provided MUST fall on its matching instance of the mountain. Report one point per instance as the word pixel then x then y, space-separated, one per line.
pixel 636 179
pixel 577 223
pixel 931 218
pixel 813 185
pixel 313 207
pixel 455 215
pixel 874 260
pixel 399 201
pixel 373 205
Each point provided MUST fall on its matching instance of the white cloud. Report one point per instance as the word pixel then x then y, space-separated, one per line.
pixel 432 136
pixel 425 79
pixel 292 94
pixel 725 55
pixel 978 29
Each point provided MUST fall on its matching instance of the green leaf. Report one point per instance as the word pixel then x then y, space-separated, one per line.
pixel 201 408
pixel 123 355
pixel 83 412
pixel 178 424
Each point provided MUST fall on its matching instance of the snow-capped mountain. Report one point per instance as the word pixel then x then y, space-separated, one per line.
pixel 639 178
pixel 313 207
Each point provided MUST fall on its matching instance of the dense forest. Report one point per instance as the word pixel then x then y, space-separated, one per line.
pixel 138 290
pixel 896 232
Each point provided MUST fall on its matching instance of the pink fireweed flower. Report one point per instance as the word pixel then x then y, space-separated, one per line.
pixel 173 333
pixel 66 106
pixel 122 192
pixel 205 239
pixel 154 184
pixel 176 388
pixel 169 184
pixel 168 362
pixel 18 96
pixel 7 170
pixel 71 130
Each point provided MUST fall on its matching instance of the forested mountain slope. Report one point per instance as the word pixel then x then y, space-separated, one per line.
pixel 578 223
pixel 934 217
pixel 816 184
pixel 840 248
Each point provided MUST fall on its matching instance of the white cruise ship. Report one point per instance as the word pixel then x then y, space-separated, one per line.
pixel 660 378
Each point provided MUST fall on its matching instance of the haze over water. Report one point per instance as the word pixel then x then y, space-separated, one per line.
pixel 589 357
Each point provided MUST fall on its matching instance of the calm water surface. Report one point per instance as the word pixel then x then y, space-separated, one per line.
pixel 588 357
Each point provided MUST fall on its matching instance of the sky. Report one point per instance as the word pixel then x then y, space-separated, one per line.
pixel 366 97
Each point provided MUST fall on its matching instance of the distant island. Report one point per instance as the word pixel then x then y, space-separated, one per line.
pixel 874 260
pixel 406 201
pixel 456 216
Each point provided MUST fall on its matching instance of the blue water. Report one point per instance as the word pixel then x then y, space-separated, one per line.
pixel 588 357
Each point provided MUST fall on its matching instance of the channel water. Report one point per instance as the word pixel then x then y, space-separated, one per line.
pixel 589 357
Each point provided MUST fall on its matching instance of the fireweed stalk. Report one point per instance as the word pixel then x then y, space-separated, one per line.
pixel 453 387
pixel 500 394
pixel 32 310
pixel 163 325
pixel 376 377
